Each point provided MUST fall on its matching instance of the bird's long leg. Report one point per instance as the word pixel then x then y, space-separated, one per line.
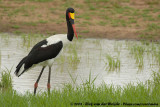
pixel 48 84
pixel 36 83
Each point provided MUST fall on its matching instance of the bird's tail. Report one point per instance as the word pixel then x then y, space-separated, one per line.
pixel 20 67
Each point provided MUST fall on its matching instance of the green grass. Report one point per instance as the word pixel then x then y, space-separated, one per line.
pixel 97 42
pixel 138 52
pixel 17 32
pixel 0 58
pixel 132 20
pixel 152 30
pixel 15 26
pixel 84 31
pixel 59 21
pixel 157 55
pixel 52 10
pixel 87 94
pixel 16 11
pixel 61 62
pixel 41 0
pixel 118 22
pixel 30 23
pixel 102 23
pixel 25 14
pixel 112 63
pixel 117 48
pixel 6 80
pixel 87 17
pixel 152 2
pixel 73 58
pixel 43 21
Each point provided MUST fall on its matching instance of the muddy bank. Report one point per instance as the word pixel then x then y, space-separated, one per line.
pixel 113 19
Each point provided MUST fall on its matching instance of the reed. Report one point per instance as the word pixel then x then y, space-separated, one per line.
pixel 88 94
pixel 61 62
pixel 138 52
pixel 157 55
pixel 6 79
pixel 112 63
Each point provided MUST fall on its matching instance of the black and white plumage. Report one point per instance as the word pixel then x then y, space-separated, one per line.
pixel 44 52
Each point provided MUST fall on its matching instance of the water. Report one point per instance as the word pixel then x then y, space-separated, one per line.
pixel 90 56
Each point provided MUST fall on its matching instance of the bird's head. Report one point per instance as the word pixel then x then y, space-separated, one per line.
pixel 70 18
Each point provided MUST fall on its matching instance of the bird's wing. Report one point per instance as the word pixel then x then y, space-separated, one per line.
pixel 39 53
pixel 38 45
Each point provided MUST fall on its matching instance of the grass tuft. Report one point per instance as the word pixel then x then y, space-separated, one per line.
pixel 88 93
pixel 112 63
pixel 15 26
pixel 138 52
pixel 6 79
pixel 73 58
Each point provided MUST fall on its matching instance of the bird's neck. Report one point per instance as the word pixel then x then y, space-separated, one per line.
pixel 70 33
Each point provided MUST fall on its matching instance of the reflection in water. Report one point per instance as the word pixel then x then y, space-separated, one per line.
pixel 77 61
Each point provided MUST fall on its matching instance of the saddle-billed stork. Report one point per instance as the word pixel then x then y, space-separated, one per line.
pixel 44 52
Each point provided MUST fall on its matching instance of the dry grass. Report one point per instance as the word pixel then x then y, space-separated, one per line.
pixel 125 19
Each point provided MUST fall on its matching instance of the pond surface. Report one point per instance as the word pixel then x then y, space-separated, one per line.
pixel 78 60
